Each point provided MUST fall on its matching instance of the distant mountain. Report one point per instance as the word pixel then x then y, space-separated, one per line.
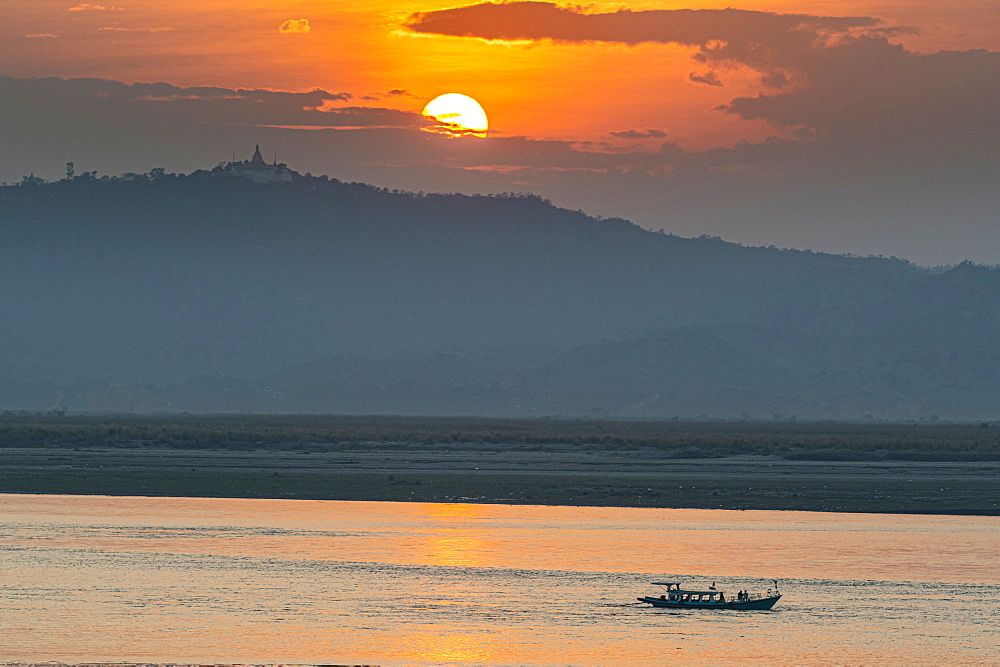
pixel 212 293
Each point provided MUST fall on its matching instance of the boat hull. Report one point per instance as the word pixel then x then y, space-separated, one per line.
pixel 743 605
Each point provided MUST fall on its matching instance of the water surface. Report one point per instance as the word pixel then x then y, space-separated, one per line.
pixel 92 578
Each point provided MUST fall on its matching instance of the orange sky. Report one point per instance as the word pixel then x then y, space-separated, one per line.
pixel 541 90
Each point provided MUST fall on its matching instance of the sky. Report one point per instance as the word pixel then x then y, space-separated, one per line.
pixel 833 125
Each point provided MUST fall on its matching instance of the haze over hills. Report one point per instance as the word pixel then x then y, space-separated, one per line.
pixel 212 293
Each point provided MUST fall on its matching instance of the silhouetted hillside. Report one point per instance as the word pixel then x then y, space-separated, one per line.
pixel 214 293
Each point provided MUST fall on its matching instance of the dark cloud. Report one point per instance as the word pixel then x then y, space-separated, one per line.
pixel 166 103
pixel 544 20
pixel 640 134
pixel 759 39
pixel 774 79
pixel 868 95
pixel 893 31
pixel 708 78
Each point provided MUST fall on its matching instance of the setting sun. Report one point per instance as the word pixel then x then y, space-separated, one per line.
pixel 456 115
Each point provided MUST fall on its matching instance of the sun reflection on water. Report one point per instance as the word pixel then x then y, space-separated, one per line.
pixel 456 546
pixel 454 648
pixel 455 510
pixel 458 549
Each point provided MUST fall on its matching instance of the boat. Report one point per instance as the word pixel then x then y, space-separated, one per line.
pixel 684 598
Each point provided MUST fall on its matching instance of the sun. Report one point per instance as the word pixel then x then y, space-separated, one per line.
pixel 456 115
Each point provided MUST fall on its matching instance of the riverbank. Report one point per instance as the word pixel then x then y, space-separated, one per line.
pixel 514 474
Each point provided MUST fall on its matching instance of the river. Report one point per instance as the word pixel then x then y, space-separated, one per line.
pixel 203 580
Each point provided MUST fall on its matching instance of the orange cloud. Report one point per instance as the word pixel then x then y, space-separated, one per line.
pixel 295 27
pixel 40 35
pixel 117 29
pixel 88 7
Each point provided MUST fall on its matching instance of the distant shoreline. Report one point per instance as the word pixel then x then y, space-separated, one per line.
pixel 822 466
pixel 496 474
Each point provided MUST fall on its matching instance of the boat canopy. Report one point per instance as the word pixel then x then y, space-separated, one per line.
pixel 675 586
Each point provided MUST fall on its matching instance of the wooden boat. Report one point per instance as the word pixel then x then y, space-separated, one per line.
pixel 682 598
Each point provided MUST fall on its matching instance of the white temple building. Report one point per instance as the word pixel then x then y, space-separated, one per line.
pixel 258 171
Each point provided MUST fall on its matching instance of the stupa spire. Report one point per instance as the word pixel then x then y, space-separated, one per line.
pixel 257 157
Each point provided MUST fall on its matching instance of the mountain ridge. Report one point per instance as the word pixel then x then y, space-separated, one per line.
pixel 152 280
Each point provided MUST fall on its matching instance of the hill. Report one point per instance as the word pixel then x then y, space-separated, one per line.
pixel 207 293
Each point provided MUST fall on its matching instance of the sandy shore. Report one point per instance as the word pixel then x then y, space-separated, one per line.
pixel 462 472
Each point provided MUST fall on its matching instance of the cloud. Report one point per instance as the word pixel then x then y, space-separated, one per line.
pixel 774 79
pixel 84 7
pixel 114 101
pixel 332 103
pixel 41 35
pixel 640 134
pixel 120 29
pixel 295 27
pixel 751 37
pixel 708 78
pixel 174 98
pixel 866 94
